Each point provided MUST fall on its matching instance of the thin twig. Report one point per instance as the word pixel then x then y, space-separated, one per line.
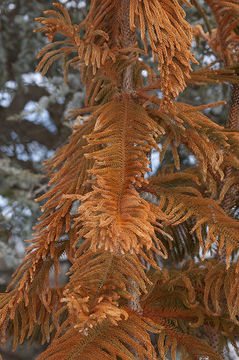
pixel 204 15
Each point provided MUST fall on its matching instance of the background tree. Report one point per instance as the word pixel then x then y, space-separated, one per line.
pixel 180 232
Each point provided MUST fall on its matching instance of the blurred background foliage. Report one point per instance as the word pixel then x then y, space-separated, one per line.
pixel 33 124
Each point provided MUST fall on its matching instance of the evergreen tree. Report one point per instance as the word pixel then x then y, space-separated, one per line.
pixel 140 286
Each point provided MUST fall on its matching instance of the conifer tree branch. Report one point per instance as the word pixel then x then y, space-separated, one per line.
pixel 226 55
pixel 128 39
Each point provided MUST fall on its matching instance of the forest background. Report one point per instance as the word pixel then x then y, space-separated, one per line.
pixel 33 125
